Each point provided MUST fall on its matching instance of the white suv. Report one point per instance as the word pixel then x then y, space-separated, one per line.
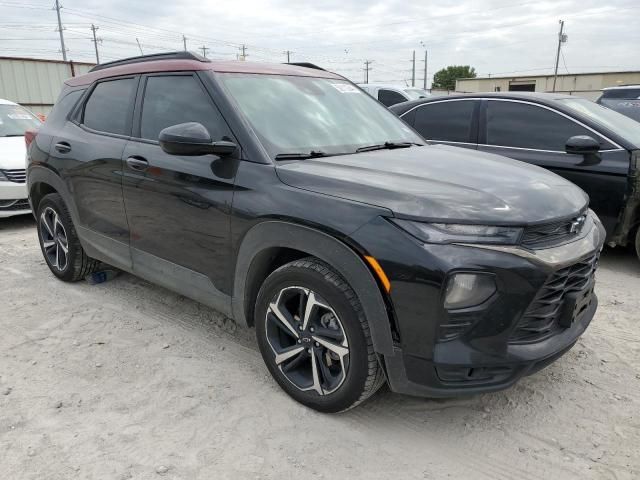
pixel 388 94
pixel 14 121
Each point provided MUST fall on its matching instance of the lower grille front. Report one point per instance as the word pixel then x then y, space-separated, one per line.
pixel 14 205
pixel 564 297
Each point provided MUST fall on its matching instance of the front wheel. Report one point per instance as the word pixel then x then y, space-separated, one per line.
pixel 314 337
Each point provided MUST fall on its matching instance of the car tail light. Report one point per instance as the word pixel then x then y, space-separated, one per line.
pixel 30 136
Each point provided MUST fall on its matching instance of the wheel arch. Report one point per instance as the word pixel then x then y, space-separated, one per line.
pixel 270 244
pixel 43 181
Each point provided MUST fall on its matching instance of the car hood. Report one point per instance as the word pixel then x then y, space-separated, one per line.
pixel 12 153
pixel 441 182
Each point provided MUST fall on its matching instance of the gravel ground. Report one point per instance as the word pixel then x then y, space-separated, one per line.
pixel 128 380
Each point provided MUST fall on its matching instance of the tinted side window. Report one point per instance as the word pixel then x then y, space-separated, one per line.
pixel 108 107
pixel 63 107
pixel 513 124
pixel 446 121
pixel 175 99
pixel 389 97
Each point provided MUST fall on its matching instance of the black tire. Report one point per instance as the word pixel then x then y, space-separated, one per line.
pixel 363 375
pixel 77 264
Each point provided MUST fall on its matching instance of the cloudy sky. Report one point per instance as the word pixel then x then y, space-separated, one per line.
pixel 496 37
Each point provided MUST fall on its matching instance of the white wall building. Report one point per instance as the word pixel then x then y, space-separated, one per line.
pixel 36 83
pixel 586 85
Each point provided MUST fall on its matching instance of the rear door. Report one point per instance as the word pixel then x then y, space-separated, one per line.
pixel 178 207
pixel 87 152
pixel 538 134
pixel 453 122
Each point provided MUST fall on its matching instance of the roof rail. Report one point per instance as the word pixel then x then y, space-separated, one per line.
pixel 179 55
pixel 306 65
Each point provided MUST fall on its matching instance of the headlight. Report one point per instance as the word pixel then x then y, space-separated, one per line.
pixel 460 233
pixel 3 178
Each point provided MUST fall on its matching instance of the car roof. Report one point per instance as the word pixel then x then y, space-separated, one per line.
pixel 538 97
pixel 187 64
pixel 621 87
pixel 385 85
pixel 6 102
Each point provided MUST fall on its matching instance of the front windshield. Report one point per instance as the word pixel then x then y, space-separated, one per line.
pixel 614 121
pixel 301 114
pixel 14 120
pixel 416 93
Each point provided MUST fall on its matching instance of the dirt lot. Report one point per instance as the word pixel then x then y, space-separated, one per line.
pixel 127 380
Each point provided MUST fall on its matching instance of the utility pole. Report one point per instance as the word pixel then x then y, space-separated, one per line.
pixel 139 46
pixel 288 56
pixel 424 86
pixel 561 39
pixel 62 47
pixel 95 42
pixel 413 70
pixel 243 55
pixel 367 67
pixel 204 51
pixel 184 42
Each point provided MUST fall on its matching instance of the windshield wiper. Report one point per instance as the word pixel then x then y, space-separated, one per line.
pixel 300 156
pixel 13 135
pixel 387 145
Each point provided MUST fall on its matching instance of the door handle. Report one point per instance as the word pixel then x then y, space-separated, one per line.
pixel 137 163
pixel 63 147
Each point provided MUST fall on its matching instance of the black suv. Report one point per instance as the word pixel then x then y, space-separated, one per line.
pixel 290 200
pixel 592 146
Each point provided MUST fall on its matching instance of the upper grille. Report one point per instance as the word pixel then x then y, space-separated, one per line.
pixel 551 234
pixel 541 320
pixel 17 176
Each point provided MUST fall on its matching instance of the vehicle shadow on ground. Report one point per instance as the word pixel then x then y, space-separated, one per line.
pixel 17 223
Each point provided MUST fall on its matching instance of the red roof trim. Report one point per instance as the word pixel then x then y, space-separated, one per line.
pixel 191 65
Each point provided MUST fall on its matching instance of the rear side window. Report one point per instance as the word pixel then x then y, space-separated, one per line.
pixel 170 100
pixel 109 106
pixel 446 121
pixel 389 97
pixel 63 107
pixel 514 124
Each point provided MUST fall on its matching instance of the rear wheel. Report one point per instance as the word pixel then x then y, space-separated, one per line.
pixel 314 337
pixel 59 241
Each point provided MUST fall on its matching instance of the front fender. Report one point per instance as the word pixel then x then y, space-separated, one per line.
pixel 279 234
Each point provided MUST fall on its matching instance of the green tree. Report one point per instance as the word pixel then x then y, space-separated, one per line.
pixel 445 79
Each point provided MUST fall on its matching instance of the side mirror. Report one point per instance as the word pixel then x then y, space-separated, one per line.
pixel 192 139
pixel 586 146
pixel 582 145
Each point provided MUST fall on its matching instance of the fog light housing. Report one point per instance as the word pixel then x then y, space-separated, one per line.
pixel 468 290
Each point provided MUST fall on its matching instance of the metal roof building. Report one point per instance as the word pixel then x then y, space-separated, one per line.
pixel 36 83
pixel 587 85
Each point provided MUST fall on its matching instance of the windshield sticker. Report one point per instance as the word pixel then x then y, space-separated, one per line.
pixel 345 88
pixel 19 116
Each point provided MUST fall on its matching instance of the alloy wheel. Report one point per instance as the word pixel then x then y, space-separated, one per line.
pixel 54 239
pixel 308 340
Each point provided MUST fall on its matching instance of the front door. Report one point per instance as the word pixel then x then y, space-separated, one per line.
pixel 537 134
pixel 178 207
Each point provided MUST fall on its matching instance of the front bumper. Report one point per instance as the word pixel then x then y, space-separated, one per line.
pixel 12 199
pixel 486 355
